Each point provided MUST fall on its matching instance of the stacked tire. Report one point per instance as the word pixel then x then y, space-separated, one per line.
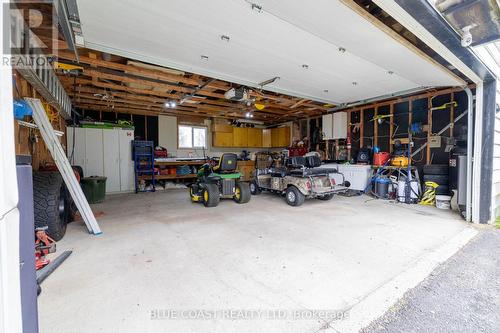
pixel 439 174
pixel 52 203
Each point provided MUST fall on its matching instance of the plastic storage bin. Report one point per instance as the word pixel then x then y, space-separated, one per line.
pixel 94 188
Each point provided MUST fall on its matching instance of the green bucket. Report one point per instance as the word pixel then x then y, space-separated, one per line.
pixel 94 188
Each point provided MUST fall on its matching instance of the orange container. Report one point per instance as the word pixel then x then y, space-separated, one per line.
pixel 380 158
pixel 172 170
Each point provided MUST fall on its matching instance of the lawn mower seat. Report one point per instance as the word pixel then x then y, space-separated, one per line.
pixel 227 163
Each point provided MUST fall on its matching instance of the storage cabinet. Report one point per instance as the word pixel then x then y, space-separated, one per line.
pixel 266 138
pixel 245 137
pixel 334 126
pixel 254 137
pixel 240 137
pixel 327 126
pixel 284 136
pixel 222 139
pixel 103 152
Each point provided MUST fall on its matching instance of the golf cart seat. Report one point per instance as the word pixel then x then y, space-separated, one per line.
pixel 227 163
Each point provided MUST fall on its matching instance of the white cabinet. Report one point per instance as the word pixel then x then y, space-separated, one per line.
pixel 126 163
pixel 327 125
pixel 103 152
pixel 76 156
pixel 334 126
pixel 94 152
pixel 339 127
pixel 111 160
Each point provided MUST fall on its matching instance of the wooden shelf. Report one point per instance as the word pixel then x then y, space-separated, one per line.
pixel 163 177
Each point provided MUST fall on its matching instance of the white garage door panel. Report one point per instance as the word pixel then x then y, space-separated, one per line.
pixel 274 42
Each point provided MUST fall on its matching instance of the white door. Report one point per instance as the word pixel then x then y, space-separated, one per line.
pixel 126 163
pixel 111 159
pixel 94 155
pixel 76 146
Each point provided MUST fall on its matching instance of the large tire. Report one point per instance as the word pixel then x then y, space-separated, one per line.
pixel 211 195
pixel 438 179
pixel 436 169
pixel 254 187
pixel 293 196
pixel 244 193
pixel 50 203
pixel 326 197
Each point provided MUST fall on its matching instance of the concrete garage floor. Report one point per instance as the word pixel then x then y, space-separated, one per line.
pixel 160 255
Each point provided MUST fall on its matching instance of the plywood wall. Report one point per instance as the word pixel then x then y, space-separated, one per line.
pixel 29 141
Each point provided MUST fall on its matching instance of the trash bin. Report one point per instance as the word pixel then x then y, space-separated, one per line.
pixel 94 188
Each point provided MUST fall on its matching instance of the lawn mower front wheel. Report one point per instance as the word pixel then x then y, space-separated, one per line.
pixel 242 193
pixel 211 195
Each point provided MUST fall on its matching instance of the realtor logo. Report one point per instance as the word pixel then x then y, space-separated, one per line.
pixel 30 33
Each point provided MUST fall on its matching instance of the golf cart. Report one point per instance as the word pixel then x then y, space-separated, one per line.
pixel 298 178
pixel 219 179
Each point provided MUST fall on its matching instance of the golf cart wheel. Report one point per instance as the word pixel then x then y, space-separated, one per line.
pixel 242 193
pixel 294 197
pixel 254 187
pixel 326 197
pixel 211 196
pixel 50 203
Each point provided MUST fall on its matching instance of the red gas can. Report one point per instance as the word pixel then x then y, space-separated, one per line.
pixel 380 158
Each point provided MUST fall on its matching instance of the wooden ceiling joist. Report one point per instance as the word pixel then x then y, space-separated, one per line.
pixel 118 84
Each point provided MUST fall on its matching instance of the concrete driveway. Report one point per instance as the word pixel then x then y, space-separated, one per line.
pixel 164 264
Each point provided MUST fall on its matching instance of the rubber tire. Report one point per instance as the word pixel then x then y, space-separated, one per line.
pixel 245 194
pixel 442 190
pixel 436 169
pixel 213 195
pixel 78 169
pixel 299 197
pixel 254 188
pixel 326 197
pixel 439 179
pixel 49 198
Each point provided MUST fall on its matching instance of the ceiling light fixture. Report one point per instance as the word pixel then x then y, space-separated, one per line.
pixel 204 57
pixel 390 72
pixel 249 115
pixel 171 104
pixel 341 49
pixel 354 83
pixel 305 66
pixel 225 38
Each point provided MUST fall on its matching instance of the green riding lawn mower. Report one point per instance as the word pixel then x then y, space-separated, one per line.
pixel 219 179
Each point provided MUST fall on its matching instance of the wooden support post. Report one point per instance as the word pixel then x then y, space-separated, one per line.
pixel 452 114
pixel 146 128
pixel 391 126
pixel 361 129
pixel 410 120
pixel 429 130
pixel 375 128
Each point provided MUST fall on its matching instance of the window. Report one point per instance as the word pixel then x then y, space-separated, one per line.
pixel 192 137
